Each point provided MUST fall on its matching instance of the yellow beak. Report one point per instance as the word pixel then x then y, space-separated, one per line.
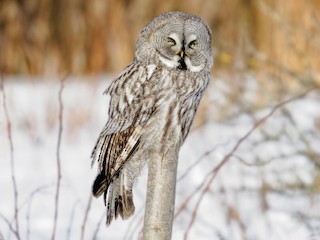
pixel 181 54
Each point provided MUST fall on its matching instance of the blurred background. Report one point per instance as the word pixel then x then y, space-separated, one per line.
pixel 266 52
pixel 90 37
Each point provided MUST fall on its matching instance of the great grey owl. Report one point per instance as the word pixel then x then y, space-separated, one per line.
pixel 152 106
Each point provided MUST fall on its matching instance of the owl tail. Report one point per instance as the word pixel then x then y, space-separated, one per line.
pixel 99 186
pixel 119 199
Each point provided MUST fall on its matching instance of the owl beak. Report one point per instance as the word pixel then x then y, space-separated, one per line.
pixel 182 64
pixel 181 53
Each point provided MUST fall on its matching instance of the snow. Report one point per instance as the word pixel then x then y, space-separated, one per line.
pixel 265 191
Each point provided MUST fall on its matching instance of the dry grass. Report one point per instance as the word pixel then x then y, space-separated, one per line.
pixel 78 36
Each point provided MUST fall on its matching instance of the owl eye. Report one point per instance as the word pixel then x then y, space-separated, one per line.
pixel 192 44
pixel 171 41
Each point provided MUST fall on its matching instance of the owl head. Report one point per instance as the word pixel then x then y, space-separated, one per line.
pixel 176 40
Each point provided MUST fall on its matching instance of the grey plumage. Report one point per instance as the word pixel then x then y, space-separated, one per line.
pixel 153 103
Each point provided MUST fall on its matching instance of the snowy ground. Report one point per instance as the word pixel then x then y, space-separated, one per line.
pixel 269 189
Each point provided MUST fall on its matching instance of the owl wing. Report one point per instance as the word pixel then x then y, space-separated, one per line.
pixel 130 107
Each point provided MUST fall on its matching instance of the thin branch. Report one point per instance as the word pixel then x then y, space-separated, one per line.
pixel 227 157
pixel 197 189
pixel 56 209
pixel 255 164
pixel 86 214
pixel 29 201
pixel 12 160
pixel 9 225
pixel 96 231
pixel 188 199
pixel 197 162
pixel 34 192
pixel 71 219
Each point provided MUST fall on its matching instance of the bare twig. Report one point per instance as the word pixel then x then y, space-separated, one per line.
pixel 71 220
pixel 29 201
pixel 9 224
pixel 86 214
pixel 214 172
pixel 256 164
pixel 12 160
pixel 56 209
pixel 95 234
pixel 197 162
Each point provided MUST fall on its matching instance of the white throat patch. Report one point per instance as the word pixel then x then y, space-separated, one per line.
pixel 191 67
pixel 169 63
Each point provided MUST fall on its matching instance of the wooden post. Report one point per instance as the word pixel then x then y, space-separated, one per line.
pixel 159 212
